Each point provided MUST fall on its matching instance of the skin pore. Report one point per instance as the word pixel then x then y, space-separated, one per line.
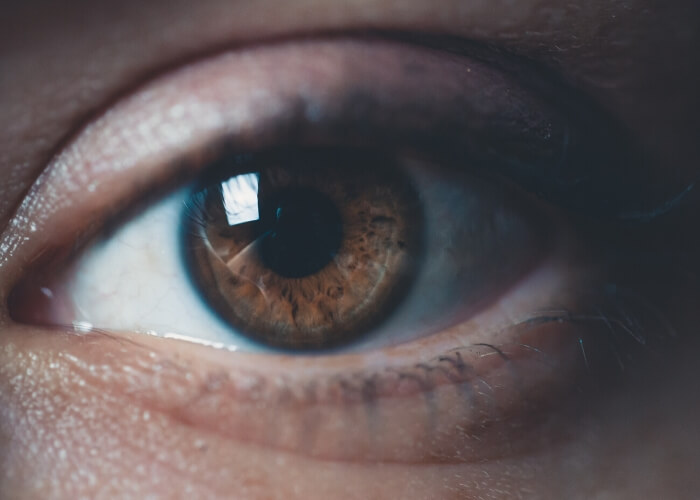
pixel 102 416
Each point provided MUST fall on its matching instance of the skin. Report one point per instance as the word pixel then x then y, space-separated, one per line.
pixel 67 434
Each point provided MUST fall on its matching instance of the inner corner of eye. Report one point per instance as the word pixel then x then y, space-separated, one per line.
pixel 304 251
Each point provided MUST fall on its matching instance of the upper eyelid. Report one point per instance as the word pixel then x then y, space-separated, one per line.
pixel 530 73
pixel 142 96
pixel 489 52
pixel 503 57
pixel 136 88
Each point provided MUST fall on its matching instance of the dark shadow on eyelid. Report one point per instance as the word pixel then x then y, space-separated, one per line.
pixel 529 72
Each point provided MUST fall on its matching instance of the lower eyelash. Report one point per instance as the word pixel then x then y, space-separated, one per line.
pixel 493 403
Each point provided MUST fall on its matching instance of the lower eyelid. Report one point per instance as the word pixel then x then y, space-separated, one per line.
pixel 448 398
pixel 480 405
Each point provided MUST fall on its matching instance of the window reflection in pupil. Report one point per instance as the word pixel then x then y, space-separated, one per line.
pixel 301 232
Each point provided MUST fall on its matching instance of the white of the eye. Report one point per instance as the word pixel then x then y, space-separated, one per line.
pixel 136 281
pixel 240 196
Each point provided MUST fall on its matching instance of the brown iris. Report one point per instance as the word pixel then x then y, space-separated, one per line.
pixel 305 250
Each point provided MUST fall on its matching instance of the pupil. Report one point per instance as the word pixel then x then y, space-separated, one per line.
pixel 301 232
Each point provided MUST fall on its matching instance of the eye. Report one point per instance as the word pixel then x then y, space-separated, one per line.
pixel 305 250
pixel 365 202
